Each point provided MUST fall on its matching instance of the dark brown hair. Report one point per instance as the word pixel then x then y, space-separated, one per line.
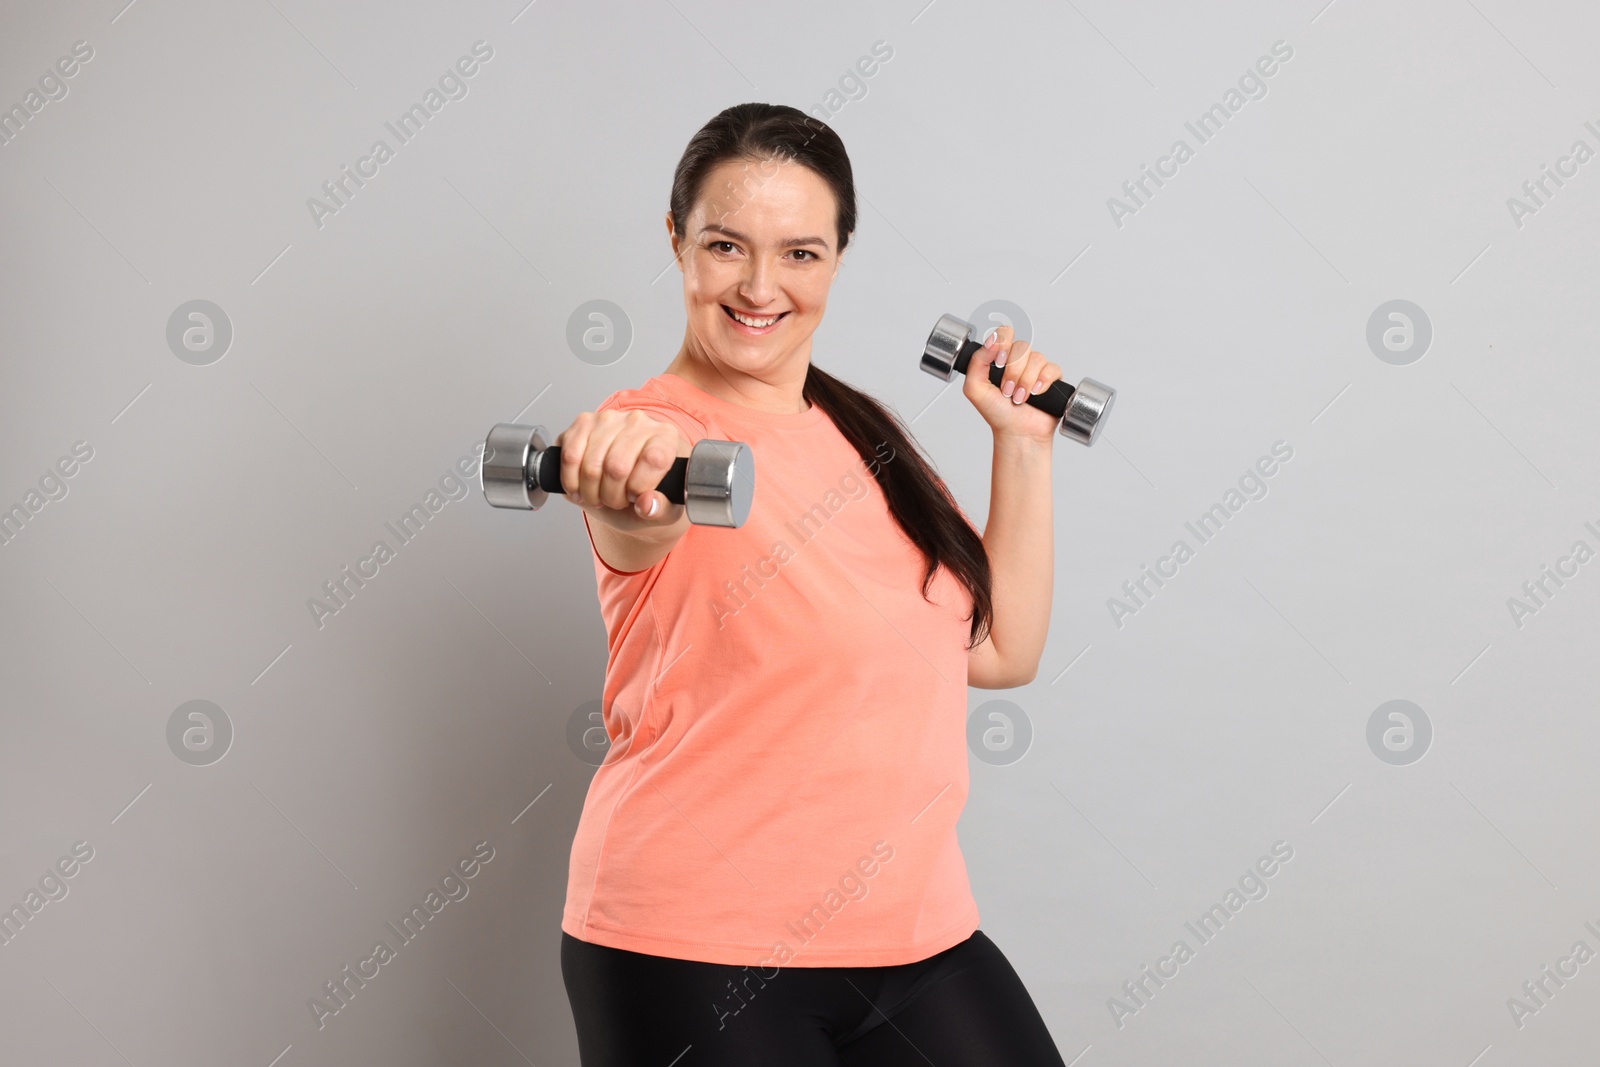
pixel 917 497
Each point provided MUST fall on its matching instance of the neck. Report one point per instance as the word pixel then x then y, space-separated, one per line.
pixel 779 390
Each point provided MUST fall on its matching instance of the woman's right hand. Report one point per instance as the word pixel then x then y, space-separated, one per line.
pixel 611 463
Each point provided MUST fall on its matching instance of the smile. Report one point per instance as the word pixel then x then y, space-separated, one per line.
pixel 752 323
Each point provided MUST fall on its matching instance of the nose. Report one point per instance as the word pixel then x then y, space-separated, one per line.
pixel 757 287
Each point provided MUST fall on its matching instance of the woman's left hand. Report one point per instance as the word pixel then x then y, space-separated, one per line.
pixel 1027 373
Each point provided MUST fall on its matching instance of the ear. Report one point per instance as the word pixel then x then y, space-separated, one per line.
pixel 672 236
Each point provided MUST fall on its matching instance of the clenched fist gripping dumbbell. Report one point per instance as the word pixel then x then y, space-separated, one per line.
pixel 715 482
pixel 1082 410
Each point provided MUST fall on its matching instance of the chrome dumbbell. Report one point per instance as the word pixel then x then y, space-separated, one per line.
pixel 1082 409
pixel 715 482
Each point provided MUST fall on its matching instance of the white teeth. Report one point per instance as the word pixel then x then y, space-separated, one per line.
pixel 756 323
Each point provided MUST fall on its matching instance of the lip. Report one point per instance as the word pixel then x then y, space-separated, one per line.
pixel 751 331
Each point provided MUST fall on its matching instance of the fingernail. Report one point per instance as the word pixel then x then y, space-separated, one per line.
pixel 1000 360
pixel 654 503
pixel 1005 390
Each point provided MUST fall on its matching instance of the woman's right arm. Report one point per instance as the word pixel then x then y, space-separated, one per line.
pixel 611 462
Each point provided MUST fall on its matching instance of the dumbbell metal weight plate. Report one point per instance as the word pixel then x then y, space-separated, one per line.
pixel 715 482
pixel 1082 410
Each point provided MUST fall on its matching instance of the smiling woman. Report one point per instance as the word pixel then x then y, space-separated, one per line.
pixel 751 762
pixel 762 209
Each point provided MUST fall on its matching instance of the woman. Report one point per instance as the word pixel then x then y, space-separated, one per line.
pixel 766 871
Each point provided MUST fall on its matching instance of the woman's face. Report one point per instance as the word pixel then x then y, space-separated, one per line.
pixel 761 242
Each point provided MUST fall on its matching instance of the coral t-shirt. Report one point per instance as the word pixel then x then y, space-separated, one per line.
pixel 786 717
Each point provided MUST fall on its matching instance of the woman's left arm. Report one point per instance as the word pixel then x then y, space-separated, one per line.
pixel 1018 536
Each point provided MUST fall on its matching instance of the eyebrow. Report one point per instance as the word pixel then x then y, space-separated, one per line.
pixel 790 243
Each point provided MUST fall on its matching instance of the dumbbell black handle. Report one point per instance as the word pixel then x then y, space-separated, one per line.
pixel 715 482
pixel 1054 399
pixel 549 477
pixel 1080 409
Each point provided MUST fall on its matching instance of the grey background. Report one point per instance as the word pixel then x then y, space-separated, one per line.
pixel 1167 754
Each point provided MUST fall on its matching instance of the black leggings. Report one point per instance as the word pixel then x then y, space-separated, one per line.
pixel 963 1007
